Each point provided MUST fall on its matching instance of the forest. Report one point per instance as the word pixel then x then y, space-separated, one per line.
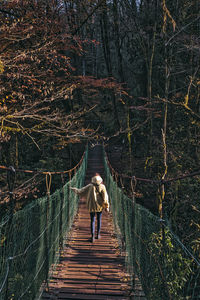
pixel 122 72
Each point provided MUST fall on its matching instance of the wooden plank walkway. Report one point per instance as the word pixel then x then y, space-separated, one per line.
pixel 91 270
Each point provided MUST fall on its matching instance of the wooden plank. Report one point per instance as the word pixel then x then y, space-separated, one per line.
pixel 92 290
pixel 71 265
pixel 85 297
pixel 87 285
pixel 90 281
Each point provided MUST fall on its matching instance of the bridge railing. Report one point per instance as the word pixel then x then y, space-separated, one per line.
pixel 31 240
pixel 165 267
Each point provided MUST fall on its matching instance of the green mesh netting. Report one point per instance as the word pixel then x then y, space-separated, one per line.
pixel 165 267
pixel 31 239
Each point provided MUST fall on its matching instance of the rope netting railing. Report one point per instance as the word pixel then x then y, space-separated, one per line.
pixel 165 267
pixel 32 238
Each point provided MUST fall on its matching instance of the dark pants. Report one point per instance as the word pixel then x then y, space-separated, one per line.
pixel 92 218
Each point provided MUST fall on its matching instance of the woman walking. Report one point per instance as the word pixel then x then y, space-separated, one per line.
pixel 96 200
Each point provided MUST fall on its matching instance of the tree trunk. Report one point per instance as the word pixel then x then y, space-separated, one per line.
pixel 107 56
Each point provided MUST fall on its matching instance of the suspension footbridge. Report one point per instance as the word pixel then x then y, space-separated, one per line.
pixel 91 271
pixel 46 253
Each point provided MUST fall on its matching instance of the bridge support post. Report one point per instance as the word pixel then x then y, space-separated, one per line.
pixel 46 236
pixel 11 174
pixel 133 254
pixel 61 215
pixel 47 245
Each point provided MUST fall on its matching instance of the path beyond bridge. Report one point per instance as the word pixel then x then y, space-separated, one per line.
pixel 91 270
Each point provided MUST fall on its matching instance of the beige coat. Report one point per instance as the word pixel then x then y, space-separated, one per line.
pixel 96 196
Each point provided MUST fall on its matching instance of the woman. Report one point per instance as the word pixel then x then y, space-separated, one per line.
pixel 96 200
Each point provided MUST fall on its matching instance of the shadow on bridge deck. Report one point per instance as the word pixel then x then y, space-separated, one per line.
pixel 91 270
